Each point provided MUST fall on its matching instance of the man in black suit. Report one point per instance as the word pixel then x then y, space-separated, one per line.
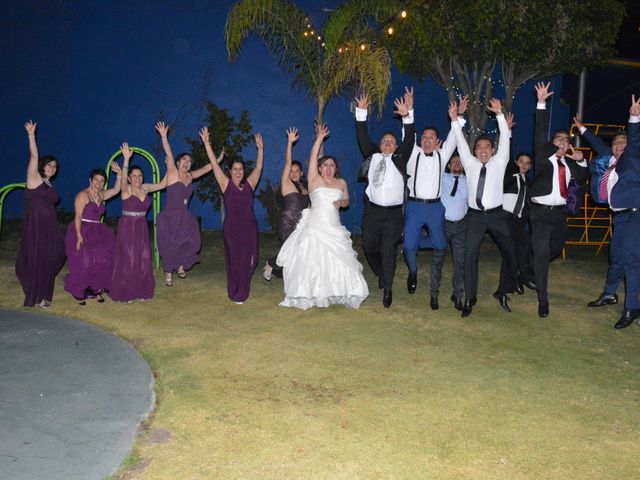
pixel 556 163
pixel 384 169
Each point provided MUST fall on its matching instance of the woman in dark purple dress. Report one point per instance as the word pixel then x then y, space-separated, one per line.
pixel 240 228
pixel 89 244
pixel 132 277
pixel 296 199
pixel 41 253
pixel 178 229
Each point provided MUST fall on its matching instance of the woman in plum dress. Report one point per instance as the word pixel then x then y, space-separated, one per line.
pixel 296 199
pixel 132 277
pixel 240 228
pixel 178 230
pixel 319 263
pixel 41 253
pixel 89 243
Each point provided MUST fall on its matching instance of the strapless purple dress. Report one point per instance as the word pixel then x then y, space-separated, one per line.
pixel 91 267
pixel 240 233
pixel 178 230
pixel 132 277
pixel 41 253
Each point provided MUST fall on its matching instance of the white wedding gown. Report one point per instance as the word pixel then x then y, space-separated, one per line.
pixel 320 266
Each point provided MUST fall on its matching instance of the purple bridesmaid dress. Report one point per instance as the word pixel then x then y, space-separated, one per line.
pixel 41 253
pixel 240 233
pixel 91 267
pixel 132 277
pixel 178 230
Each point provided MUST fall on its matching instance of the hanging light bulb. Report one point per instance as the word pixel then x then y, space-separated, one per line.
pixel 403 14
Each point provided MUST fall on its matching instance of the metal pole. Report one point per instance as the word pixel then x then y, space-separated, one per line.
pixel 581 88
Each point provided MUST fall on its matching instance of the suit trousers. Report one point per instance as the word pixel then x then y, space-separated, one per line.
pixel 549 232
pixel 615 272
pixel 521 238
pixel 627 229
pixel 381 237
pixel 494 223
pixel 416 217
pixel 456 235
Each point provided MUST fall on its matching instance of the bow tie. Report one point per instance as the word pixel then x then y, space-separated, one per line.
pixel 428 154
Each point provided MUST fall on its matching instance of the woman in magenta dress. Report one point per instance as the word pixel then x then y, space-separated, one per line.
pixel 178 230
pixel 132 277
pixel 41 253
pixel 296 199
pixel 240 228
pixel 90 244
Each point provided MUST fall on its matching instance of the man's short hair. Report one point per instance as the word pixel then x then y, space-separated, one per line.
pixel 483 137
pixel 431 127
pixel 619 133
pixel 384 134
pixel 558 132
pixel 526 154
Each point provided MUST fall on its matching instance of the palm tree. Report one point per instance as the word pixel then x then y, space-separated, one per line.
pixel 321 63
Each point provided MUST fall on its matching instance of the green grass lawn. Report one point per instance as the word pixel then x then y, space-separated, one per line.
pixel 258 391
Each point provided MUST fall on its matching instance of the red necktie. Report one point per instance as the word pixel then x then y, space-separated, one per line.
pixel 604 190
pixel 562 178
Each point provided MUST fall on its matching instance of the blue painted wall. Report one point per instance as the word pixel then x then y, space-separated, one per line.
pixel 94 74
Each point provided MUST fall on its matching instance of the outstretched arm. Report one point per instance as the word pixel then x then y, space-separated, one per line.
pixel 502 154
pixel 466 157
pixel 312 172
pixel 367 147
pixel 33 176
pixel 405 149
pixel 172 171
pixel 542 121
pixel 254 178
pixel 221 178
pixel 79 203
pixel 285 182
pixel 127 154
pixel 597 144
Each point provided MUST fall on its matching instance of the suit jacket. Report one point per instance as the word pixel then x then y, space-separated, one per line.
pixel 510 185
pixel 399 158
pixel 626 191
pixel 543 149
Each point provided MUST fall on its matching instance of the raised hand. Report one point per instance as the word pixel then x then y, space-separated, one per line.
pixel 30 127
pixel 574 154
pixel 577 123
pixel 162 129
pixel 258 138
pixel 126 152
pixel 204 135
pixel 462 105
pixel 116 168
pixel 495 106
pixel 542 91
pixel 363 101
pixel 292 135
pixel 408 97
pixel 635 106
pixel 401 107
pixel 510 120
pixel 453 110
pixel 322 131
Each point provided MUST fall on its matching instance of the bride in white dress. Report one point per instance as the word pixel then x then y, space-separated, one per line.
pixel 320 266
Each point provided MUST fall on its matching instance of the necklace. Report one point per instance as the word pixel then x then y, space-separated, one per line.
pixel 95 196
pixel 46 180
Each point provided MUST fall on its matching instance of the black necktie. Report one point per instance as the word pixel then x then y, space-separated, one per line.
pixel 455 187
pixel 522 190
pixel 480 190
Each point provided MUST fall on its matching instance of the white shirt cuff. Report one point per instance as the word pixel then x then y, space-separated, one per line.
pixel 462 121
pixel 361 114
pixel 582 129
pixel 634 118
pixel 408 118
pixel 541 106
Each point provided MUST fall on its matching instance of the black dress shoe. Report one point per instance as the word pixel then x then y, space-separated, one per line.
pixel 434 302
pixel 604 299
pixel 412 282
pixel 543 309
pixel 519 289
pixel 457 302
pixel 627 318
pixel 387 298
pixel 468 307
pixel 503 300
pixel 530 285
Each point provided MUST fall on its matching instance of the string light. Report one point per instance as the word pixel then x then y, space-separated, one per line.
pixel 363 46
pixel 390 30
pixel 403 14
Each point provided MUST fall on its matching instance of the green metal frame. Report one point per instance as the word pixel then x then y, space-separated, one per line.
pixel 4 191
pixel 155 173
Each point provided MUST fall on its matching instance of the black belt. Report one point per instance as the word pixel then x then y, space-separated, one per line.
pixel 424 200
pixel 548 207
pixel 455 222
pixel 391 207
pixel 626 210
pixel 488 210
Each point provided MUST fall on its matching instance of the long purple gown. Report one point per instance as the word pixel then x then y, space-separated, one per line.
pixel 178 230
pixel 133 272
pixel 240 233
pixel 41 253
pixel 91 267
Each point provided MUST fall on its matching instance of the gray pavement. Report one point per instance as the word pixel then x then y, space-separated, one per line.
pixel 71 398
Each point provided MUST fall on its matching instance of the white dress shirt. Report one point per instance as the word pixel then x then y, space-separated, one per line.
pixel 496 166
pixel 509 200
